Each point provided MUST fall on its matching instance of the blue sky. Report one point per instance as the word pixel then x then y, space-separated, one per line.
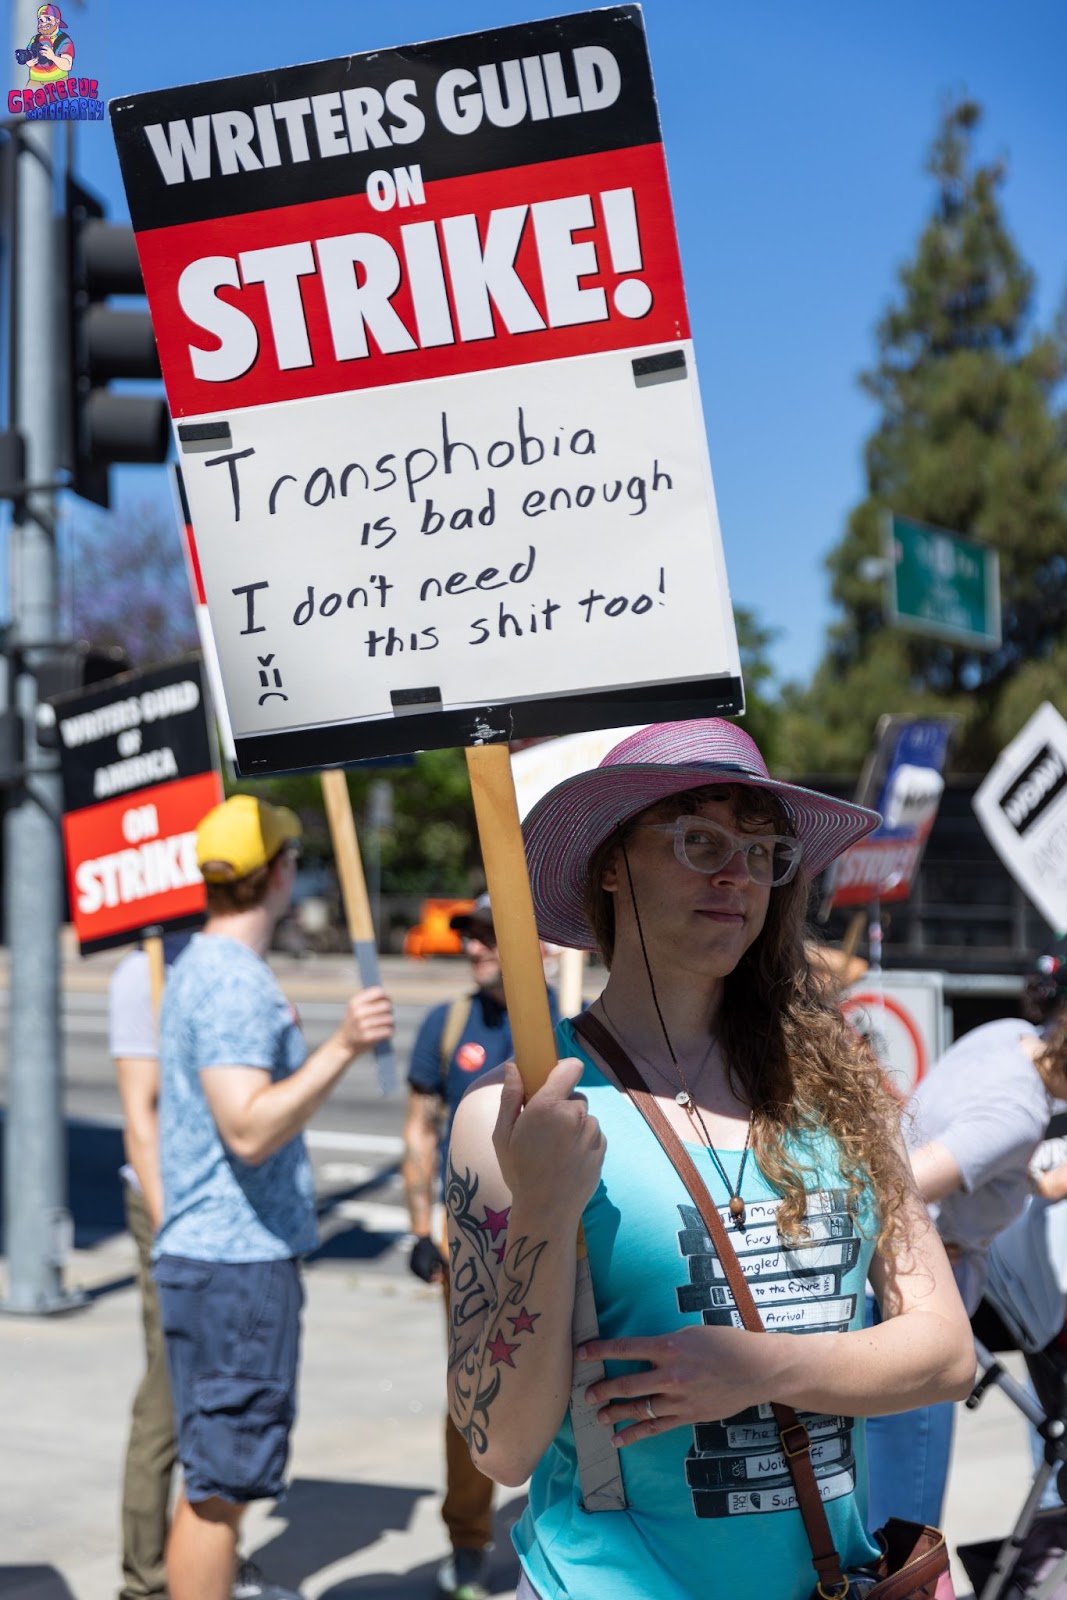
pixel 795 137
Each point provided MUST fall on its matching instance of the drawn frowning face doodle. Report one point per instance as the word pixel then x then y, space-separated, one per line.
pixel 470 1057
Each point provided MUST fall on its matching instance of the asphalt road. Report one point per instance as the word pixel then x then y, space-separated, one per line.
pixel 90 1093
pixel 355 1140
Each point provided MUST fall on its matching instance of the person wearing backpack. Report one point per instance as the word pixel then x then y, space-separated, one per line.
pixel 455 1045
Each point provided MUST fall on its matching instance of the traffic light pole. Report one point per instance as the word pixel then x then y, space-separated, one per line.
pixel 36 1220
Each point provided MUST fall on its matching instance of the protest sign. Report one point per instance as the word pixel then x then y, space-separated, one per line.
pixel 421 321
pixel 1022 805
pixel 138 775
pixel 903 780
pixel 336 798
pixel 184 519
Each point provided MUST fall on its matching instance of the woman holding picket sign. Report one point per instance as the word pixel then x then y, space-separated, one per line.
pixel 690 867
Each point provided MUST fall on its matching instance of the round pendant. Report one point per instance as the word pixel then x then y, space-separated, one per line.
pixel 737 1208
pixel 682 1099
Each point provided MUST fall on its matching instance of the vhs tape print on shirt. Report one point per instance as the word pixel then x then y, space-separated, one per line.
pixel 737 1466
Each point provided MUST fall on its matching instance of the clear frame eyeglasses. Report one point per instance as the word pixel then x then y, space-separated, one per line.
pixel 771 859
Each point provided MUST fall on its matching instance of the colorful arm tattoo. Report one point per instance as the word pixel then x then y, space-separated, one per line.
pixel 482 1302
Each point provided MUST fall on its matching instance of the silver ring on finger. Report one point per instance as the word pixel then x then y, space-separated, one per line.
pixel 652 1417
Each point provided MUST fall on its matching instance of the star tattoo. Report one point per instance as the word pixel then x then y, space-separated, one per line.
pixel 501 1250
pixel 496 1221
pixel 500 1351
pixel 524 1322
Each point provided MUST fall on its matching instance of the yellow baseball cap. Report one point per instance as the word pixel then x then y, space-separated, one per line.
pixel 242 835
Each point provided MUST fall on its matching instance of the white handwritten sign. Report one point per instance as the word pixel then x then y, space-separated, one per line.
pixel 439 422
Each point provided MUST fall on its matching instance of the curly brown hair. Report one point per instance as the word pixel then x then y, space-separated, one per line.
pixel 790 1053
pixel 1054 1042
pixel 1044 995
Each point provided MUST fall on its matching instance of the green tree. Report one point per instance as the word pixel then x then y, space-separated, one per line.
pixel 969 439
pixel 432 846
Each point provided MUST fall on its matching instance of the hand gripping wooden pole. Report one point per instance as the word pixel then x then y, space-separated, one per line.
pixel 349 863
pixel 500 834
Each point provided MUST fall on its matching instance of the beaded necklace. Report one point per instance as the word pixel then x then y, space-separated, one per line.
pixel 684 1098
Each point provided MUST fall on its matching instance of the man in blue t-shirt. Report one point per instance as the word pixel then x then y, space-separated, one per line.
pixel 237 1089
pixel 456 1044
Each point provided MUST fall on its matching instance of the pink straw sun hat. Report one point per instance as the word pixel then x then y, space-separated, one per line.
pixel 565 827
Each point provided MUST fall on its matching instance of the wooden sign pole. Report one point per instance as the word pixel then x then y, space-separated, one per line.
pixel 346 854
pixel 153 949
pixel 853 934
pixel 500 834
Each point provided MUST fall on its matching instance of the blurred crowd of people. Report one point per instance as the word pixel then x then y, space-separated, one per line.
pixel 872 1233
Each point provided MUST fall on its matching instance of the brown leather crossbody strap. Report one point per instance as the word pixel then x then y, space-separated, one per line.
pixel 794 1436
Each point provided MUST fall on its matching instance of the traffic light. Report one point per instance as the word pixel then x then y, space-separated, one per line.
pixel 107 344
pixel 60 668
pixel 67 668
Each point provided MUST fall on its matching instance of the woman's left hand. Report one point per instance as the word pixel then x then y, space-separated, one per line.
pixel 693 1375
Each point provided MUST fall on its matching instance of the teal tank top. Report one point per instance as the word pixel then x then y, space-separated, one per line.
pixel 711 1508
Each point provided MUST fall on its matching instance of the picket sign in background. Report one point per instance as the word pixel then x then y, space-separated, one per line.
pixel 903 781
pixel 1022 805
pixel 137 765
pixel 423 330
pixel 132 862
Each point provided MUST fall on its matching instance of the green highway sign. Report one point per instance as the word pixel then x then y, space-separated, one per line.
pixel 941 584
